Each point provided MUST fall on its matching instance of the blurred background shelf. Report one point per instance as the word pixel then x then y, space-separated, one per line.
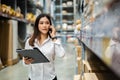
pixel 3 15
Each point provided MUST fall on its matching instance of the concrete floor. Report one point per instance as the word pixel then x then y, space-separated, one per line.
pixel 65 67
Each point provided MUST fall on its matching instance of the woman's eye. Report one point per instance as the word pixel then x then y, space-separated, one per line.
pixel 41 23
pixel 44 23
pixel 47 22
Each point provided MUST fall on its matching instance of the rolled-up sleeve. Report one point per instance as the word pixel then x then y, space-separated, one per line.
pixel 59 50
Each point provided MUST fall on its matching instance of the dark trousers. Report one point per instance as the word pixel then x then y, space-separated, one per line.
pixel 53 79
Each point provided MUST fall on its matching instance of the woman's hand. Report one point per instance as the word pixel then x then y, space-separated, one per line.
pixel 53 32
pixel 28 60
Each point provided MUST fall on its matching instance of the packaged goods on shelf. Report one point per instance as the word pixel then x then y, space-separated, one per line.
pixel 3 8
pixel 30 17
pixel 69 3
pixel 64 12
pixel 70 27
pixel 18 13
pixel 64 20
pixel 78 21
pixel 64 4
pixel 78 25
pixel 11 12
pixel 58 27
pixel 64 26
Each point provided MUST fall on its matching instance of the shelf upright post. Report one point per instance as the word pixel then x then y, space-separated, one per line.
pixel 74 4
pixel 81 36
pixel 25 8
pixel 15 4
pixel 61 14
pixel 52 12
pixel 44 8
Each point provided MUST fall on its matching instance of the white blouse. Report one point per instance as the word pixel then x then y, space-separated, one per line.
pixel 45 71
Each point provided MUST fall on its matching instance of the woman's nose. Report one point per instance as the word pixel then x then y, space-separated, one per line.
pixel 44 24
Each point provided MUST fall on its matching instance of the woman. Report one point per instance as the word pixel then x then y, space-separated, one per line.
pixel 44 39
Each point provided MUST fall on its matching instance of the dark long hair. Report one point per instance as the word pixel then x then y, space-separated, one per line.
pixel 36 30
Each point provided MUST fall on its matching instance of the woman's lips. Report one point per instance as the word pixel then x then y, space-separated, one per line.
pixel 44 29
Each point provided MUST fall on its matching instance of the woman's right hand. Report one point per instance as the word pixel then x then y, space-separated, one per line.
pixel 53 33
pixel 28 60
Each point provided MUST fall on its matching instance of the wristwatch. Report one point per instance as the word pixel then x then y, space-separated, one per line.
pixel 54 38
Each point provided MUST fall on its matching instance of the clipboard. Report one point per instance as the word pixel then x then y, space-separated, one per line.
pixel 34 53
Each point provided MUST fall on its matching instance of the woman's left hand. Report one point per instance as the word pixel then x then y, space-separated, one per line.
pixel 53 33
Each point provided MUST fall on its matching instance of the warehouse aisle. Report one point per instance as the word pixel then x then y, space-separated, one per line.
pixel 65 67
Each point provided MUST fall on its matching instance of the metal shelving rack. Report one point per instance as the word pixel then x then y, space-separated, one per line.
pixel 60 16
pixel 58 12
pixel 94 43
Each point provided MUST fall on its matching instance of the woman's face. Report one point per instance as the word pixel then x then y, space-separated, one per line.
pixel 44 25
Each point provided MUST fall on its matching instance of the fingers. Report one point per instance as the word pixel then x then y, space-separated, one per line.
pixel 53 28
pixel 28 60
pixel 53 33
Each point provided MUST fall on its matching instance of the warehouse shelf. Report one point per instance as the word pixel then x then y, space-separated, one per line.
pixel 98 37
pixel 14 18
